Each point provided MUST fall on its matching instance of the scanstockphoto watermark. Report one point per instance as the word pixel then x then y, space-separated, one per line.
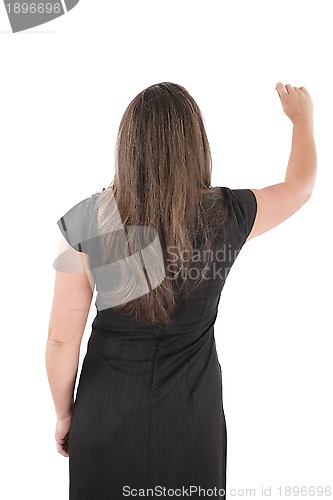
pixel 206 264
pixel 162 491
pixel 128 272
pixel 264 491
pixel 23 15
pixel 128 262
pixel 225 253
pixel 135 263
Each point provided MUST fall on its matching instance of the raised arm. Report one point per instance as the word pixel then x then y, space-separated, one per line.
pixel 278 202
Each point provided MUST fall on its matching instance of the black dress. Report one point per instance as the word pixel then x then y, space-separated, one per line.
pixel 148 411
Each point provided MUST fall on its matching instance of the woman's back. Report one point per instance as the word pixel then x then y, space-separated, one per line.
pixel 148 411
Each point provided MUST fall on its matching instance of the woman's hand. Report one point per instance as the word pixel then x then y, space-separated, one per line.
pixel 296 102
pixel 62 435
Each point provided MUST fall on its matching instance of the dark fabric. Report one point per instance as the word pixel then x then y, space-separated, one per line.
pixel 149 405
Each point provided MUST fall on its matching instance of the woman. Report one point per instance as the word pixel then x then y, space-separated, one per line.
pixel 158 245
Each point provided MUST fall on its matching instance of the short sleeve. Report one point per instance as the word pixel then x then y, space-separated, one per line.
pixel 242 205
pixel 76 225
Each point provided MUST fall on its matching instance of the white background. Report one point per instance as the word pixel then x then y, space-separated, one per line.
pixel 64 87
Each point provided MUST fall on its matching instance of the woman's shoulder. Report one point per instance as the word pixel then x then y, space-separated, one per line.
pixel 242 208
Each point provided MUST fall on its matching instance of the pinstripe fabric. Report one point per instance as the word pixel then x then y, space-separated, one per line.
pixel 148 410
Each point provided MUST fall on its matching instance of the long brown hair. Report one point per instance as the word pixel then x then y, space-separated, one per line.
pixel 162 179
